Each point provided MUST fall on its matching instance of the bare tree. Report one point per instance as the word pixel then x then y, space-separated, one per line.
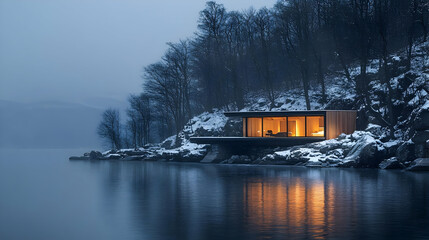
pixel 294 44
pixel 140 117
pixel 109 128
pixel 169 83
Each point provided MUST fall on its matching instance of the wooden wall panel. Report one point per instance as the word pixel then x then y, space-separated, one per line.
pixel 338 122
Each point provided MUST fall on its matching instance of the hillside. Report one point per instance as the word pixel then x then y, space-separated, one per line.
pixel 371 146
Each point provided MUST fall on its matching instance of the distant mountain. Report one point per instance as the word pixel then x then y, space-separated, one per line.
pixel 50 124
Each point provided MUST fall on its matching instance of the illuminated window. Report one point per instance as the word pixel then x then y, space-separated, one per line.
pixel 296 126
pixel 254 127
pixel 274 127
pixel 315 126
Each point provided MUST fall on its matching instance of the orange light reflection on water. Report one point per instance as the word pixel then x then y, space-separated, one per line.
pixel 290 205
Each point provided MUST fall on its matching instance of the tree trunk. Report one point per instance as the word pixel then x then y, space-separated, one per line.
pixel 304 74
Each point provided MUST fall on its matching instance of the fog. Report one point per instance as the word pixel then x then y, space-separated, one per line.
pixel 87 54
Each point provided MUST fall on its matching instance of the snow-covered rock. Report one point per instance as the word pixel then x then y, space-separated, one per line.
pixel 391 163
pixel 238 159
pixel 406 152
pixel 359 149
pixel 366 152
pixel 420 164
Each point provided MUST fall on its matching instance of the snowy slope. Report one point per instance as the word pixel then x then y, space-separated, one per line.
pixel 341 95
pixel 370 146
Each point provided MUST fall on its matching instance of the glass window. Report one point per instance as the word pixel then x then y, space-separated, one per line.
pixel 254 127
pixel 274 127
pixel 315 126
pixel 296 126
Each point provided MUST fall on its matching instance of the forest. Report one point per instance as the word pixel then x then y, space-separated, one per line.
pixel 296 44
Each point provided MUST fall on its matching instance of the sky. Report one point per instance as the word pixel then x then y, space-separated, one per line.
pixel 90 51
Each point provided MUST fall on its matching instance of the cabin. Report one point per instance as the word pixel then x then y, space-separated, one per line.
pixel 286 128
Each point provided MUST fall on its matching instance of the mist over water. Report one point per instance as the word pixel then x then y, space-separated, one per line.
pixel 45 196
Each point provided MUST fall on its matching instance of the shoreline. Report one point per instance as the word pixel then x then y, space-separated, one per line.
pixel 420 164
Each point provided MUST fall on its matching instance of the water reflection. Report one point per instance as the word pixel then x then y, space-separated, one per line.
pixel 293 206
pixel 193 201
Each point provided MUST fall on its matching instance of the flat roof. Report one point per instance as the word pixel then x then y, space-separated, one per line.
pixel 255 141
pixel 282 113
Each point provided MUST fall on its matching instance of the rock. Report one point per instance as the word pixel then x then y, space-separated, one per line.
pixel 133 158
pixel 342 136
pixel 315 164
pixel 239 159
pixel 375 129
pixel 391 163
pixel 421 122
pixel 347 164
pixel 332 159
pixel 215 154
pixel 421 151
pixel 94 155
pixel 406 152
pixel 367 152
pixel 79 158
pixel 420 164
pixel 293 158
pixel 421 136
pixel 391 148
pixel 112 156
pixel 168 143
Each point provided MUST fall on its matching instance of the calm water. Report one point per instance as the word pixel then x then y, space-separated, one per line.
pixel 45 196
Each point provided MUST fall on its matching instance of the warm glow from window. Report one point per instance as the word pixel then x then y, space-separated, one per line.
pixel 254 126
pixel 315 126
pixel 302 126
pixel 296 126
pixel 274 127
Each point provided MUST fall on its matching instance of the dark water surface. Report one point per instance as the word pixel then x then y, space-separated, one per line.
pixel 45 196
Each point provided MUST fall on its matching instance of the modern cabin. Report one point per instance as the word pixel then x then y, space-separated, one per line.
pixel 287 128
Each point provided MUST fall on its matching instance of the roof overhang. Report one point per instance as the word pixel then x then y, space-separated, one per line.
pixel 256 141
pixel 282 113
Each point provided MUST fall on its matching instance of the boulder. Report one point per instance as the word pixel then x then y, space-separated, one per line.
pixel 367 152
pixel 133 158
pixel 391 163
pixel 421 151
pixel 421 136
pixel 420 164
pixel 112 156
pixel 406 152
pixel 421 122
pixel 375 129
pixel 238 159
pixel 391 148
pixel 168 143
pixel 79 158
pixel 94 155
pixel 347 164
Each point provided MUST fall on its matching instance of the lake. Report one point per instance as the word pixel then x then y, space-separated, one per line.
pixel 43 195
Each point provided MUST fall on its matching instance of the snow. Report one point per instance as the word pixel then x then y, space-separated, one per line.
pixel 207 121
pixel 345 148
pixel 392 143
pixel 113 155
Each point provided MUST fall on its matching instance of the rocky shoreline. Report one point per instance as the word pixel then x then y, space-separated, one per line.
pixel 358 150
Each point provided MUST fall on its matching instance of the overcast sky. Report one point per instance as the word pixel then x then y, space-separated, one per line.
pixel 84 50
